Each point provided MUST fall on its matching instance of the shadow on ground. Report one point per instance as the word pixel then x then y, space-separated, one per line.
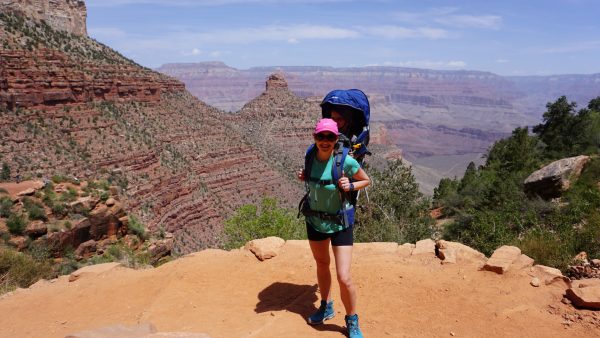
pixel 294 298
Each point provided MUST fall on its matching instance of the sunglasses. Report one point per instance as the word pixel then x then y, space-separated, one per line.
pixel 329 137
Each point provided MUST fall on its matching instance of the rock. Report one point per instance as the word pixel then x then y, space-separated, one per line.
pixel 463 252
pixel 596 262
pixel 555 178
pixel 110 202
pixel 522 262
pixel 265 248
pixel 26 192
pixel 535 282
pixel 549 275
pixel 19 242
pixel 425 246
pixel 581 258
pixel 92 270
pixel 585 293
pixel 447 255
pixel 86 249
pixel 132 241
pixel 36 229
pixel 113 190
pixel 160 249
pixel 502 258
pixel 124 220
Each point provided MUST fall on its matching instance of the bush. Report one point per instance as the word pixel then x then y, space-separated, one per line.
pixel 20 270
pixel 5 206
pixel 251 222
pixel 16 224
pixel 136 227
pixel 396 211
pixel 35 210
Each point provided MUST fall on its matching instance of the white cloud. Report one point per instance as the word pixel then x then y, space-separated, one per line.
pixel 274 33
pixel 193 52
pixel 398 32
pixel 426 64
pixel 448 16
pixel 472 21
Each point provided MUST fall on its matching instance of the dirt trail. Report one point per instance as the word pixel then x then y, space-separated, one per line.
pixel 232 294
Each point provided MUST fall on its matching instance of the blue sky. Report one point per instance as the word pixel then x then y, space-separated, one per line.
pixel 507 37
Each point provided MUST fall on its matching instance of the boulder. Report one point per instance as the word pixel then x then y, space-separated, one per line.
pixel 522 262
pixel 86 249
pixel 19 242
pixel 26 192
pixel 585 293
pixel 555 178
pixel 265 248
pixel 36 229
pixel 502 258
pixel 160 249
pixel 425 246
pixel 462 252
pixel 549 275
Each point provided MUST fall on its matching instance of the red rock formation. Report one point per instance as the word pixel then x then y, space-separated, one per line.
pixel 45 77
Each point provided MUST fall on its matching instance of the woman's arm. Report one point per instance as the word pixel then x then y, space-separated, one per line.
pixel 361 181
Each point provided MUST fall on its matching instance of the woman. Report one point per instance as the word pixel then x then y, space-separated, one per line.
pixel 324 198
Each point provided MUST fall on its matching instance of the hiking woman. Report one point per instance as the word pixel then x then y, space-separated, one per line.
pixel 324 226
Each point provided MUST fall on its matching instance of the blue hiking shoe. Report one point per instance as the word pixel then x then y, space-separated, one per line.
pixel 352 326
pixel 324 312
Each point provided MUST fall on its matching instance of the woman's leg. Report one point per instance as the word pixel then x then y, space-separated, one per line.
pixel 343 259
pixel 320 251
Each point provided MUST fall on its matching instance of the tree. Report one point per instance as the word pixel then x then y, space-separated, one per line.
pixel 557 130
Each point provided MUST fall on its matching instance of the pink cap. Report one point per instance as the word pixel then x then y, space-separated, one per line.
pixel 326 125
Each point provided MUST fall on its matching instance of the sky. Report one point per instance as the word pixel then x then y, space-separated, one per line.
pixel 506 37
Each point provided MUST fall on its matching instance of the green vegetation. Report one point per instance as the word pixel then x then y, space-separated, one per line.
pixel 251 222
pixel 5 173
pixel 489 205
pixel 16 224
pixel 5 206
pixel 395 210
pixel 20 270
pixel 136 227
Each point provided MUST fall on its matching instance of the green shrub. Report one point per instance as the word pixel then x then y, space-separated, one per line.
pixel 60 210
pixel 3 191
pixel 546 248
pixel 35 210
pixel 16 224
pixel 396 211
pixel 20 270
pixel 251 222
pixel 136 227
pixel 5 206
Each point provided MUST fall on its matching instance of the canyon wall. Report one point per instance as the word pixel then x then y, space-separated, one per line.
pixel 65 15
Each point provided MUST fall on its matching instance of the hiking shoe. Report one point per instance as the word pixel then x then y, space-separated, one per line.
pixel 324 312
pixel 352 326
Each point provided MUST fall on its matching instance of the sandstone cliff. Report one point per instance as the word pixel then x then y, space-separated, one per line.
pixel 65 15
pixel 72 106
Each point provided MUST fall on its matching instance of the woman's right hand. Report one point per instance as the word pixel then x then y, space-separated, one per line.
pixel 301 174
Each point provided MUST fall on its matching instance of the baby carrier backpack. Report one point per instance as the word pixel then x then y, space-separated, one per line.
pixel 354 104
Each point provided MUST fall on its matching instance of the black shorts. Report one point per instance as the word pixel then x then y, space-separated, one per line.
pixel 340 238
